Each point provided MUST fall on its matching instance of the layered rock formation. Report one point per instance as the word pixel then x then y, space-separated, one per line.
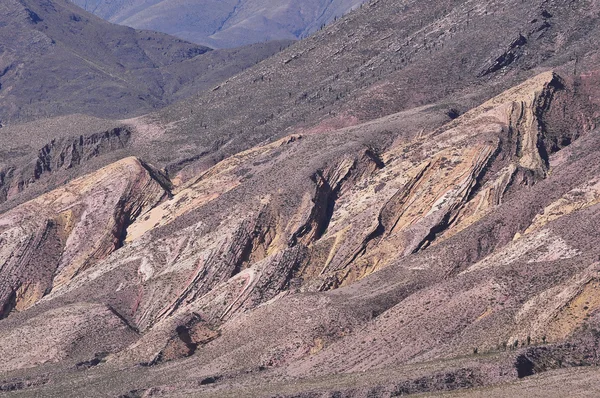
pixel 404 249
pixel 50 240
pixel 431 236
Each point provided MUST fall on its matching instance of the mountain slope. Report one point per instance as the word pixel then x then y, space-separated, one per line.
pixel 223 23
pixel 234 281
pixel 378 60
pixel 341 226
pixel 59 60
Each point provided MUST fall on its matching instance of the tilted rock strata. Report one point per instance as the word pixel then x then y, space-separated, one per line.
pixel 251 244
pixel 48 241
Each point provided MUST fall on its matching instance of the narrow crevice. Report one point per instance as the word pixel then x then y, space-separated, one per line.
pixel 451 214
pixel 390 216
pixel 327 196
pixel 244 257
pixel 330 200
pixel 375 158
pixel 541 108
pixel 543 152
pixel 122 318
pixel 124 217
pixel 253 242
pixel 123 220
pixel 161 178
pixel 480 179
pixel 434 232
pixel 321 213
pixel 377 233
pixel 9 305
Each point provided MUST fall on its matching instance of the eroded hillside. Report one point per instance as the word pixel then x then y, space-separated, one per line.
pixel 435 238
pixel 298 257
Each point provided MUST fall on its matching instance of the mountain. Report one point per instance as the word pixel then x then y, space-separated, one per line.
pixel 218 23
pixel 376 61
pixel 406 202
pixel 59 60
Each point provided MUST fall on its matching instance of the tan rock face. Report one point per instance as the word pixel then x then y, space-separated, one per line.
pixel 207 187
pixel 439 184
pixel 577 199
pixel 48 241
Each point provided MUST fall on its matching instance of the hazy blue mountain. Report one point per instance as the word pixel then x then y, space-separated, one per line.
pixel 223 23
pixel 57 59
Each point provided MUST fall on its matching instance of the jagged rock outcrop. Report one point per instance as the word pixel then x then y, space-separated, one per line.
pixel 438 184
pixel 60 154
pixel 48 241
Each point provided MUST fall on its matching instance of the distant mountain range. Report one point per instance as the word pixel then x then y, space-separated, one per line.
pixel 223 23
pixel 56 59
